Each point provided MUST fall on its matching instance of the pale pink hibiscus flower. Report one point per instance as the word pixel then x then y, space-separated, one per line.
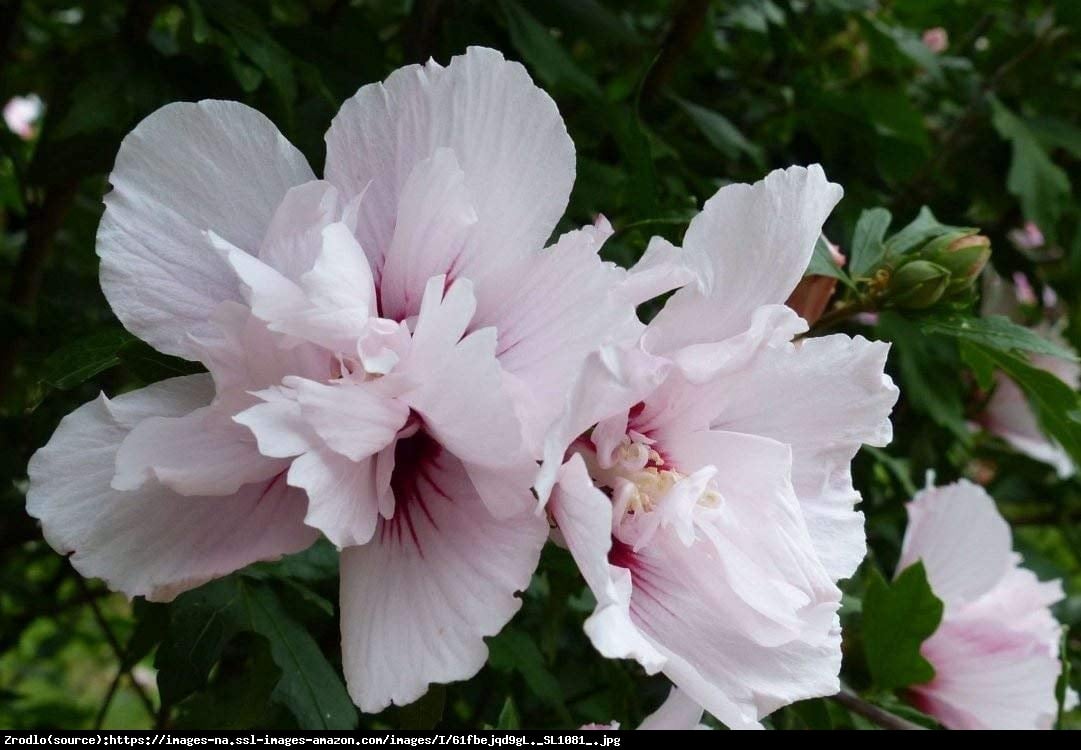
pixel 995 653
pixel 706 493
pixel 385 350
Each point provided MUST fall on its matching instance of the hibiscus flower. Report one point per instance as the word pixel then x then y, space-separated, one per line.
pixel 385 348
pixel 701 478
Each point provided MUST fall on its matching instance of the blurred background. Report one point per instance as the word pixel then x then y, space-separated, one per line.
pixel 969 107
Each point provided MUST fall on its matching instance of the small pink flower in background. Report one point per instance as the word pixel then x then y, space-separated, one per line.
pixel 701 479
pixel 1028 237
pixel 936 39
pixel 813 293
pixel 385 348
pixel 1023 288
pixel 678 712
pixel 21 115
pixel 996 652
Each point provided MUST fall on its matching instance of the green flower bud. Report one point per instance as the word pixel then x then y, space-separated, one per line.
pixel 963 254
pixel 918 284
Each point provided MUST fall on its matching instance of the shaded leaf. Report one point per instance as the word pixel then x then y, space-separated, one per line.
pixel 897 618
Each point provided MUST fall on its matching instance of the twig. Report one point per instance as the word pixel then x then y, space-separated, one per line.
pixel 118 652
pixel 686 25
pixel 871 712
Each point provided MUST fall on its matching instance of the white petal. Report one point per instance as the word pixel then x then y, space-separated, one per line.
pixel 293 237
pixel 356 420
pixel 505 132
pixel 418 601
pixel 343 501
pixel 201 453
pixel 757 240
pixel 610 382
pixel 186 169
pixel 822 396
pixel 583 515
pixel 962 539
pixel 152 542
pixel 677 712
pixel 434 214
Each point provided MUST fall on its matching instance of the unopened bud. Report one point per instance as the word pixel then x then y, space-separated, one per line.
pixel 963 256
pixel 918 284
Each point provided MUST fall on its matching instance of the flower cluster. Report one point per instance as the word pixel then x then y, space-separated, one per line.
pixel 397 362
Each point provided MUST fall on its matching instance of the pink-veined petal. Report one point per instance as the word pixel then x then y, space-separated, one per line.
pixel 152 542
pixel 439 577
pixel 356 420
pixel 343 501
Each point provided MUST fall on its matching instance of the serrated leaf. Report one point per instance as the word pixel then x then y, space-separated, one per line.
pixel 996 331
pixel 897 618
pixel 868 248
pixel 1042 187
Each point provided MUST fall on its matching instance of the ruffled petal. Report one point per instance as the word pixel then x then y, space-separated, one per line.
pixel 756 241
pixel 152 542
pixel 506 135
pixel 186 169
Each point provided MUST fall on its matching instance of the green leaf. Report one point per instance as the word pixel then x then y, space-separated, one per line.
pixel 868 248
pixel 928 369
pixel 721 133
pixel 897 618
pixel 997 332
pixel 822 264
pixel 551 62
pixel 84 358
pixel 309 687
pixel 426 712
pixel 508 716
pixel 1042 187
pixel 203 621
pixel 921 229
pixel 1056 404
pixel 514 651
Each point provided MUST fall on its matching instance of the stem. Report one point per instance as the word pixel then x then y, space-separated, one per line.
pixel 118 652
pixel 871 712
pixel 687 23
pixel 840 314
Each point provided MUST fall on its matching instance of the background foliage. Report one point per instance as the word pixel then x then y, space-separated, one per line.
pixel 665 102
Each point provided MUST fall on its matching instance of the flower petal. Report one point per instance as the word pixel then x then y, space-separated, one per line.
pixel 583 515
pixel 757 241
pixel 677 712
pixel 152 542
pixel 961 537
pixel 824 397
pixel 185 169
pixel 988 676
pixel 343 501
pixel 505 132
pixel 356 420
pixel 201 453
pixel 439 577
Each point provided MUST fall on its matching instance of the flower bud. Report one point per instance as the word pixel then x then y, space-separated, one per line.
pixel 963 254
pixel 918 284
